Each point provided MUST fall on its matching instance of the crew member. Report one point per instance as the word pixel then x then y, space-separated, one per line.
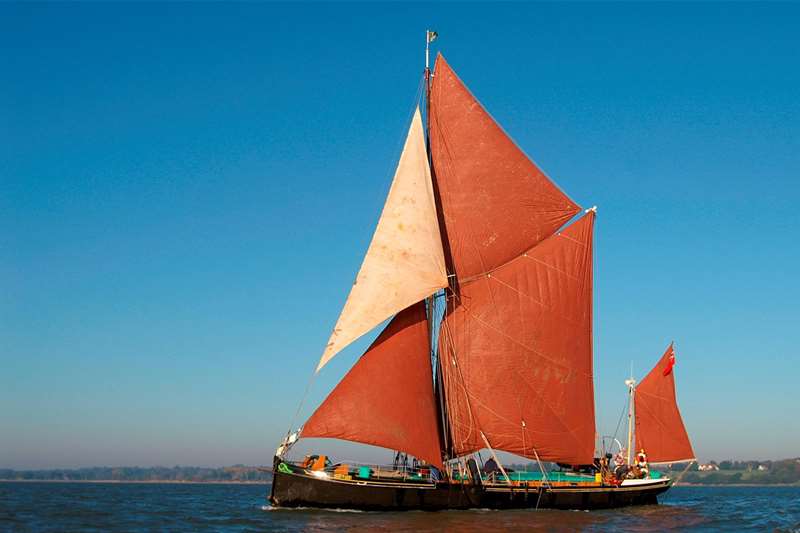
pixel 620 466
pixel 641 462
pixel 490 466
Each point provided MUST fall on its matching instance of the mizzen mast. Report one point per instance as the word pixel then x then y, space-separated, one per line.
pixel 631 384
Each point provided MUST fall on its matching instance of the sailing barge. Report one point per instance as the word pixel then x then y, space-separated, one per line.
pixel 487 280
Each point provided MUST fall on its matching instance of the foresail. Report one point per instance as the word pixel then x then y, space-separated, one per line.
pixel 516 353
pixel 405 261
pixel 496 203
pixel 387 397
pixel 659 427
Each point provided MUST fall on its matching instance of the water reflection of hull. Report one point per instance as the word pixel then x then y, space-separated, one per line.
pixel 304 489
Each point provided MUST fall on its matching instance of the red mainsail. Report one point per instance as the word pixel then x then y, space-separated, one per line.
pixel 659 427
pixel 516 353
pixel 387 398
pixel 495 202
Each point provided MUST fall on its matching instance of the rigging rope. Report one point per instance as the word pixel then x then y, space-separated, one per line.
pixel 302 401
pixel 621 416
pixel 386 180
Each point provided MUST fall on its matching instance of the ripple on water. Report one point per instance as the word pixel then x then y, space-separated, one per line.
pixel 196 507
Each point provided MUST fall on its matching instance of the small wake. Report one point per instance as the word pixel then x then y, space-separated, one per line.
pixel 319 509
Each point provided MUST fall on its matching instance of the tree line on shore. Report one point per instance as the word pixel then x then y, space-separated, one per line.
pixel 786 471
pixel 236 473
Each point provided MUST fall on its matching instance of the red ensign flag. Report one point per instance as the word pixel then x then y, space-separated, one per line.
pixel 670 360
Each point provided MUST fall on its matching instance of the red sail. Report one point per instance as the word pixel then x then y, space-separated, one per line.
pixel 496 203
pixel 659 427
pixel 387 398
pixel 517 353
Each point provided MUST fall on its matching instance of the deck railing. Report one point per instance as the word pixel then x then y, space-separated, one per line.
pixel 356 470
pixel 361 470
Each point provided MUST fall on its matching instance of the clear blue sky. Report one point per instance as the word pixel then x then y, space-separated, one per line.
pixel 186 192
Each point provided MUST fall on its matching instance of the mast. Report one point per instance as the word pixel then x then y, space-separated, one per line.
pixel 509 269
pixel 431 36
pixel 631 383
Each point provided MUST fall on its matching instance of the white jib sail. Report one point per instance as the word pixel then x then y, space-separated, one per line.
pixel 405 261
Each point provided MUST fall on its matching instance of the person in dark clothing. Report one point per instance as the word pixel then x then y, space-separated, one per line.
pixel 490 466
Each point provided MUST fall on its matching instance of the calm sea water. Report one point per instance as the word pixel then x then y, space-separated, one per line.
pixel 65 507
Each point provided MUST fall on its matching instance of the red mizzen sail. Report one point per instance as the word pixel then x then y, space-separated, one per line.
pixel 659 427
pixel 516 353
pixel 496 203
pixel 387 398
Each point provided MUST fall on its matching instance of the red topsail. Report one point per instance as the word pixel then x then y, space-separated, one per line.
pixel 495 202
pixel 659 427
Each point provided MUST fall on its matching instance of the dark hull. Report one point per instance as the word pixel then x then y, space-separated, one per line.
pixel 302 490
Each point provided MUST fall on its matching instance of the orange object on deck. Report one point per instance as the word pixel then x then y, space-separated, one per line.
pixel 319 464
pixel 342 470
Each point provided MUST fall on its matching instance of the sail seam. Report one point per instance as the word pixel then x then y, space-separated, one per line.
pixel 548 307
pixel 525 253
pixel 654 396
pixel 551 267
pixel 536 352
pixel 451 165
pixel 666 434
pixel 513 423
pixel 473 421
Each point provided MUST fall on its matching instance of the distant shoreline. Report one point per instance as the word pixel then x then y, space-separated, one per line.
pixel 137 482
pixel 175 482
pixel 736 485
